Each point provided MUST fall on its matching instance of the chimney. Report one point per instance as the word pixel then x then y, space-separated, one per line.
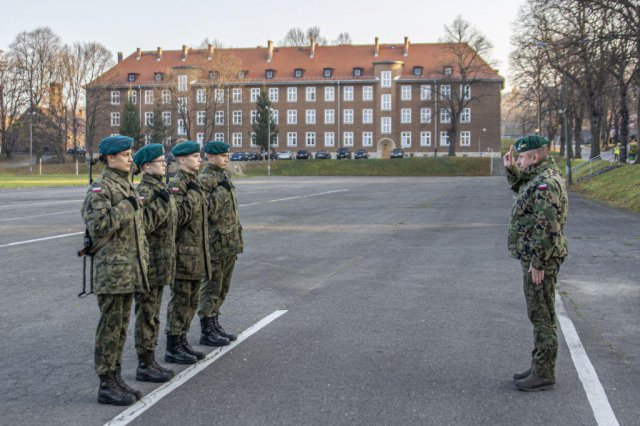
pixel 406 46
pixel 159 53
pixel 313 47
pixel 210 51
pixel 376 52
pixel 119 57
pixel 270 51
pixel 185 52
pixel 138 54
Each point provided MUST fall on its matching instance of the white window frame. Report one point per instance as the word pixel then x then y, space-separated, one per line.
pixel 405 92
pixel 329 116
pixel 148 118
pixel 445 92
pixel 367 138
pixel 310 94
pixel 219 118
pixel 310 139
pixel 166 97
pixel 253 140
pixel 405 139
pixel 310 116
pixel 385 102
pixel 236 138
pixel 347 138
pixel 445 115
pixel 182 104
pixel 166 118
pixel 444 138
pixel 148 97
pixel 236 95
pixel 367 93
pixel 201 118
pixel 181 129
pixel 115 119
pixel 219 136
pixel 347 116
pixel 292 94
pixel 292 138
pixel 254 93
pixel 115 97
pixel 367 116
pixel 425 92
pixel 425 115
pixel 274 94
pixel 385 79
pixel 425 138
pixel 147 138
pixel 329 94
pixel 200 138
pixel 236 117
pixel 253 116
pixel 182 83
pixel 275 116
pixel 132 96
pixel 201 96
pixel 405 115
pixel 385 125
pixel 292 116
pixel 329 139
pixel 218 95
pixel 465 115
pixel 465 91
pixel 465 138
pixel 347 93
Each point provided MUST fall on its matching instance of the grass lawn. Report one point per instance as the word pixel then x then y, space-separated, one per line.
pixel 26 181
pixel 619 187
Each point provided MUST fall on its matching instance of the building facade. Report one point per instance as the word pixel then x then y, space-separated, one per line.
pixel 374 97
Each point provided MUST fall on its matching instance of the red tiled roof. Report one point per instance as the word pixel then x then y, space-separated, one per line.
pixel 430 56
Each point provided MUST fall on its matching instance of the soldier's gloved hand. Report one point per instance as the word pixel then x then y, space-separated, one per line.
pixel 134 202
pixel 193 186
pixel 164 195
pixel 225 184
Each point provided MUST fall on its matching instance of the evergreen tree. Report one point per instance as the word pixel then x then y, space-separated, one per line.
pixel 130 124
pixel 264 121
pixel 159 130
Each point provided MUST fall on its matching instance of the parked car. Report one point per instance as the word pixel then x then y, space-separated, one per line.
pixel 237 156
pixel 80 150
pixel 253 156
pixel 361 154
pixel 343 153
pixel 303 154
pixel 397 153
pixel 285 155
pixel 323 155
pixel 274 155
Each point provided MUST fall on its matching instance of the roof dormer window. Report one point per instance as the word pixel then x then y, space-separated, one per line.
pixel 298 73
pixel 448 70
pixel 214 75
pixel 269 74
pixel 417 71
pixel 327 72
pixel 157 76
pixel 243 74
pixel 131 77
pixel 357 72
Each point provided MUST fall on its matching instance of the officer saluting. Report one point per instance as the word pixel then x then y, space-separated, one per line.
pixel 112 214
pixel 535 238
pixel 160 220
pixel 192 253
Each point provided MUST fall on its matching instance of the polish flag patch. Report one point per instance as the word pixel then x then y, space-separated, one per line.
pixel 543 187
pixel 175 190
pixel 96 190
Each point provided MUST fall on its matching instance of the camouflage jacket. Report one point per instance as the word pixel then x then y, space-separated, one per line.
pixel 121 262
pixel 538 214
pixel 192 248
pixel 160 222
pixel 225 231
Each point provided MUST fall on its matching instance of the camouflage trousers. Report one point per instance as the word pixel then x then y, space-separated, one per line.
pixel 542 314
pixel 214 292
pixel 182 306
pixel 147 310
pixel 115 310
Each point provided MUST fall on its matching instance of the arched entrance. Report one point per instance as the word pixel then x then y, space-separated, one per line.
pixel 385 146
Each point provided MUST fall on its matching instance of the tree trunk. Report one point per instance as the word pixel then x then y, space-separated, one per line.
pixel 624 120
pixel 453 136
pixel 577 132
pixel 595 124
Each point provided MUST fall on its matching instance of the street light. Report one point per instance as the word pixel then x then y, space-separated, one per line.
pixel 269 111
pixel 480 139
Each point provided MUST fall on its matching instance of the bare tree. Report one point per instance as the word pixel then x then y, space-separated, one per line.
pixel 343 39
pixel 12 103
pixel 298 37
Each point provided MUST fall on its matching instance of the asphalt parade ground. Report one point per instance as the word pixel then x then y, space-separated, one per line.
pixel 360 301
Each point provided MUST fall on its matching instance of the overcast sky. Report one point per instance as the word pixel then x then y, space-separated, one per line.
pixel 126 25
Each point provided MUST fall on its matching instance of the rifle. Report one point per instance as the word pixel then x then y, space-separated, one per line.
pixel 86 249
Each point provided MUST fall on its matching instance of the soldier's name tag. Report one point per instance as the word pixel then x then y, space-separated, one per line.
pixel 543 187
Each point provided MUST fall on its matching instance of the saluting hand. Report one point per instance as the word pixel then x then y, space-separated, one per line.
pixel 508 158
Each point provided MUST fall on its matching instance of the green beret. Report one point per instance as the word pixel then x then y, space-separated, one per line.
pixel 530 142
pixel 148 153
pixel 216 147
pixel 114 144
pixel 185 148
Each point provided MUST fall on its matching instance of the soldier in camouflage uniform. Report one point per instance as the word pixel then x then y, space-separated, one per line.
pixel 192 253
pixel 113 216
pixel 225 242
pixel 160 220
pixel 535 238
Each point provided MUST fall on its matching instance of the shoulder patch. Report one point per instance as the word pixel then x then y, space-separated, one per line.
pixel 96 189
pixel 175 190
pixel 543 187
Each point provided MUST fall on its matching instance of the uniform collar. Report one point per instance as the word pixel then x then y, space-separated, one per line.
pixel 117 175
pixel 213 167
pixel 534 170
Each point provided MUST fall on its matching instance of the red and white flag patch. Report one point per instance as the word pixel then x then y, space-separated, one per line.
pixel 96 190
pixel 543 187
pixel 175 190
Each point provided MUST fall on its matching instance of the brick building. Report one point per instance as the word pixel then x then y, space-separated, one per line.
pixel 377 97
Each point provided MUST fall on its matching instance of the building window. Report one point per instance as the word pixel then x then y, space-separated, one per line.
pixel 465 138
pixel 298 73
pixel 214 75
pixel 115 119
pixel 167 141
pixel 444 138
pixel 157 76
pixel 254 93
pixel 367 138
pixel 465 115
pixel 201 117
pixel 219 137
pixel 425 115
pixel 445 91
pixel 310 95
pixel 182 130
pixel 327 72
pixel 219 118
pixel 405 115
pixel 274 116
pixel 445 116
pixel 385 125
pixel 405 93
pixel 405 139
pixel 147 138
pixel 329 116
pixel 292 116
pixel 447 70
pixel 292 139
pixel 148 97
pixel 132 96
pixel 236 117
pixel 292 94
pixel 367 116
pixel 253 117
pixel 236 139
pixel 417 70
pixel 236 95
pixel 310 116
pixel 310 138
pixel 200 138
pixel 182 104
pixel 385 103
pixel 269 74
pixel 385 79
pixel 367 93
pixel 425 138
pixel 166 118
pixel 425 92
pixel 131 77
pixel 201 96
pixel 347 138
pixel 329 139
pixel 357 72
pixel 274 94
pixel 115 97
pixel 166 96
pixel 253 141
pixel 347 93
pixel 218 94
pixel 182 83
pixel 329 94
pixel 347 116
pixel 465 89
pixel 148 119
pixel 243 74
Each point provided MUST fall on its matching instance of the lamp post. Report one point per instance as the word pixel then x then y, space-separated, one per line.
pixel 269 111
pixel 31 141
pixel 480 140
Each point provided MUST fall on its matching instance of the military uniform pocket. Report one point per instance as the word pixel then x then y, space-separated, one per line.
pixel 188 258
pixel 114 274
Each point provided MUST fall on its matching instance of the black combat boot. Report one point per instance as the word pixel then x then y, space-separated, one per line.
pixel 147 372
pixel 175 352
pixel 533 383
pixel 210 335
pixel 160 367
pixel 125 387
pixel 521 375
pixel 110 392
pixel 188 349
pixel 220 330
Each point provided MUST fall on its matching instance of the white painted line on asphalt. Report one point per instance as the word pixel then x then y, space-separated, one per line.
pixel 40 204
pixel 294 198
pixel 596 395
pixel 38 215
pixel 149 400
pixel 41 239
